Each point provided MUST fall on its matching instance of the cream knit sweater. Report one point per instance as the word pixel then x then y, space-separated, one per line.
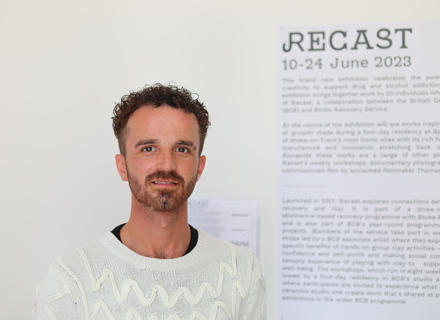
pixel 106 280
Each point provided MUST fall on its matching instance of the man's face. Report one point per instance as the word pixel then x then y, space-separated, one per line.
pixel 162 162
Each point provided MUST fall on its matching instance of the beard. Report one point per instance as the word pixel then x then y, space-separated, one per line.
pixel 161 201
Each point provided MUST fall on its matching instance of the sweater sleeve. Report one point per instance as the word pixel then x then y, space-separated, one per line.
pixel 255 308
pixel 54 299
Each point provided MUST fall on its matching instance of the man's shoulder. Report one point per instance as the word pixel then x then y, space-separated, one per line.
pixel 217 247
pixel 77 257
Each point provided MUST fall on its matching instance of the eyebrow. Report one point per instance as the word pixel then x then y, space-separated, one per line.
pixel 145 142
pixel 187 143
pixel 154 141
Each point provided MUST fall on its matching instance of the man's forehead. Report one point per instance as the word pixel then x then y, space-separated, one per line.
pixel 149 111
pixel 163 120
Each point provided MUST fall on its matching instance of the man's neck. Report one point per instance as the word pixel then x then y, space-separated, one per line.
pixel 162 235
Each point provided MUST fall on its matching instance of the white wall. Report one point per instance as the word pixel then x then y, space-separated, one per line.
pixel 65 63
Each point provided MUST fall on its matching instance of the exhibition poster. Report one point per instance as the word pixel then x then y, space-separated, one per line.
pixel 359 171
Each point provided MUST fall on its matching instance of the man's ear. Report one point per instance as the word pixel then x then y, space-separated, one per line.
pixel 202 162
pixel 120 165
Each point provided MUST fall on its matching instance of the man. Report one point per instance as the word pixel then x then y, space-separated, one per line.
pixel 156 266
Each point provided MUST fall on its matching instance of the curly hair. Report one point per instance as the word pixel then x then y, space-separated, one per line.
pixel 155 96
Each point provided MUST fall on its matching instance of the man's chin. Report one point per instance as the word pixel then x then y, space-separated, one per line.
pixel 165 202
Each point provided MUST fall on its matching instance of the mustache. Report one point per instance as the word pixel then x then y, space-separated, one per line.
pixel 164 175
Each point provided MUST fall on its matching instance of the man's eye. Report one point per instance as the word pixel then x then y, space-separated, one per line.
pixel 148 149
pixel 182 149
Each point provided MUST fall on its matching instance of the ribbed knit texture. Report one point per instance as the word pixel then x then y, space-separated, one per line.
pixel 106 280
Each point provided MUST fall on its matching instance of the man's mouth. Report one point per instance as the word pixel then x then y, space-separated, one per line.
pixel 164 182
pixel 165 179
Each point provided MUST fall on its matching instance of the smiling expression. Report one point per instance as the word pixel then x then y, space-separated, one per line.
pixel 162 163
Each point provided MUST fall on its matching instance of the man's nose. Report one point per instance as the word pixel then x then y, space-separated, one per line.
pixel 166 161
